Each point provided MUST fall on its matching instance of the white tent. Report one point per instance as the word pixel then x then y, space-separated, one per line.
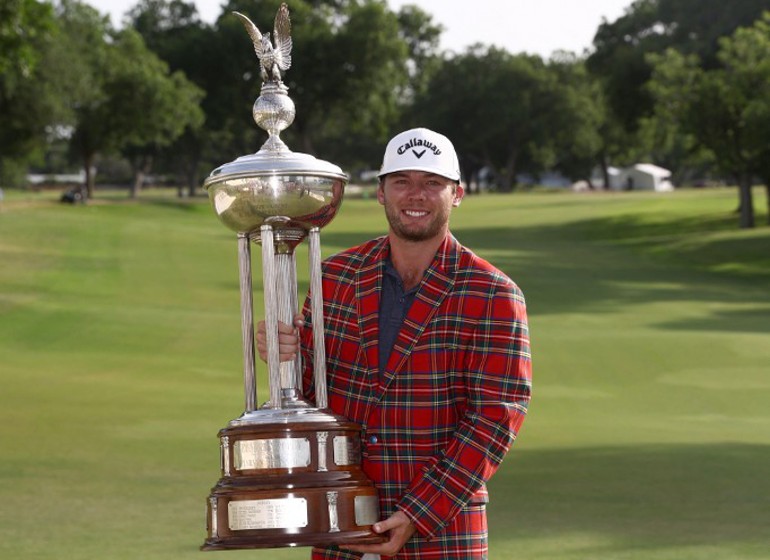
pixel 613 174
pixel 645 176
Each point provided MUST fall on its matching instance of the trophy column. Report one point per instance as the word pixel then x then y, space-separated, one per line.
pixel 316 301
pixel 279 273
pixel 247 322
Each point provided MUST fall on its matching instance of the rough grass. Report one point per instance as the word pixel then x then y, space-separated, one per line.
pixel 648 437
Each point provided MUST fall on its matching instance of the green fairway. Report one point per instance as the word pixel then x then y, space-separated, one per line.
pixel 648 435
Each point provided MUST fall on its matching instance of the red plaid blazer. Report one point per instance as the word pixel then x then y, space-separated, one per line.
pixel 447 407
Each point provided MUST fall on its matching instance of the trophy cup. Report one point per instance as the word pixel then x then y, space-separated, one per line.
pixel 290 471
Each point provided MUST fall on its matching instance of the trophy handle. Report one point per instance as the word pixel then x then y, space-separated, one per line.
pixel 316 299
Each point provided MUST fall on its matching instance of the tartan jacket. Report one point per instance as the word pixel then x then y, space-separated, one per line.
pixel 445 410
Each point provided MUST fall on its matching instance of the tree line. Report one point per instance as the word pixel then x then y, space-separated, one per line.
pixel 682 83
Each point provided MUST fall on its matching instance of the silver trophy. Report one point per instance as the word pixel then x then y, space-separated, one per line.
pixel 290 470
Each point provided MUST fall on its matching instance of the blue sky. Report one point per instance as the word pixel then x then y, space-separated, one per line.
pixel 533 26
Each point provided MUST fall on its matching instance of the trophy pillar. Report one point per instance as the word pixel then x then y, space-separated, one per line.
pixel 270 289
pixel 279 271
pixel 247 322
pixel 291 387
pixel 316 301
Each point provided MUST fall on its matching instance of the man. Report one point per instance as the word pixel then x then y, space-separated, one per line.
pixel 427 348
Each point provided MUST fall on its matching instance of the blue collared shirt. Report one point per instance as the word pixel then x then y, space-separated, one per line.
pixel 394 306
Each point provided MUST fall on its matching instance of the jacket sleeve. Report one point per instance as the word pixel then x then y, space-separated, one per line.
pixel 498 382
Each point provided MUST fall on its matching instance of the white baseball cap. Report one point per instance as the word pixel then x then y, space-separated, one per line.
pixel 420 149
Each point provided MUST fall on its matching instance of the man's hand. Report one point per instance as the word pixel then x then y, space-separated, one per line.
pixel 288 339
pixel 399 529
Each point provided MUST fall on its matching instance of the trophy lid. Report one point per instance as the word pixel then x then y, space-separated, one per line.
pixel 273 111
pixel 266 163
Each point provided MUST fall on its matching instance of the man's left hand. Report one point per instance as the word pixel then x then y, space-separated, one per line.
pixel 398 528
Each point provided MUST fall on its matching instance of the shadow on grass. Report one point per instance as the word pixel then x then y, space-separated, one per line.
pixel 737 320
pixel 644 227
pixel 650 496
pixel 697 240
pixel 195 204
pixel 561 271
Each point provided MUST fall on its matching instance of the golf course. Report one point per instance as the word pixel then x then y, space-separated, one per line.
pixel 648 435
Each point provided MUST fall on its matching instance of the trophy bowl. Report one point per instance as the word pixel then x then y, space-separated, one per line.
pixel 291 190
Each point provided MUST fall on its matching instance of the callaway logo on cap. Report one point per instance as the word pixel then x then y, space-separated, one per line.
pixel 420 149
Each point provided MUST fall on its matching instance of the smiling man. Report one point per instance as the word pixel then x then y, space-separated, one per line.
pixel 428 349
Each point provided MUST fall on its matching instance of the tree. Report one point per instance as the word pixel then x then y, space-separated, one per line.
pixel 124 97
pixel 153 19
pixel 621 48
pixel 173 30
pixel 422 38
pixel 619 62
pixel 153 107
pixel 576 117
pixel 512 113
pixel 746 60
pixel 84 39
pixel 726 109
pixel 28 93
pixel 488 114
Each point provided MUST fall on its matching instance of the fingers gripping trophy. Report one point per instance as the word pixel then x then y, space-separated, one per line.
pixel 290 470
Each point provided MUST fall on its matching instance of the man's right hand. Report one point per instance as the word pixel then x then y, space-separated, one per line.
pixel 288 339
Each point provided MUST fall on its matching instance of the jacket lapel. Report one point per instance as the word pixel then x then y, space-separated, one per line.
pixel 368 289
pixel 436 284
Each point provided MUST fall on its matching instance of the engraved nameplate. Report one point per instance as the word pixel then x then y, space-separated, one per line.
pixel 367 510
pixel 284 513
pixel 347 451
pixel 286 453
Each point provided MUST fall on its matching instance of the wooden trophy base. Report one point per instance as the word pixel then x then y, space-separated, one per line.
pixel 291 478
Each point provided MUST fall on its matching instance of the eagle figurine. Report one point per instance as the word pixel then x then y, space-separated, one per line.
pixel 273 58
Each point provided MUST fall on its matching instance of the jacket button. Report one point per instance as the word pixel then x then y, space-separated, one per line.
pixel 372 439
